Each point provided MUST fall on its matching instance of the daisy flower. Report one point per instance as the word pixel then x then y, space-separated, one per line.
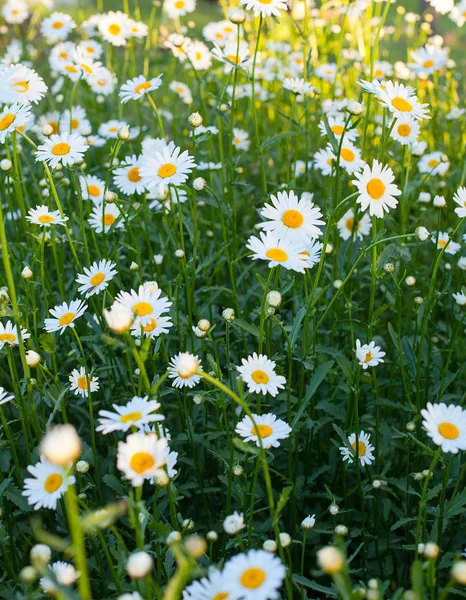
pixel 64 148
pixel 460 298
pixel 75 121
pixel 327 72
pixel 337 126
pixel 114 27
pixel 41 215
pixel 460 199
pixel 446 426
pixel 257 575
pixel 142 457
pixel 22 85
pixel 401 100
pixel 232 55
pixel 219 32
pixel 292 219
pixel 51 118
pixel 80 384
pixel 212 587
pixel 312 253
pixel 138 29
pixel 258 373
pixel 15 12
pixel 139 412
pixel 9 335
pixel 47 485
pixel 165 168
pixel 428 59
pixel 127 177
pixel 182 369
pixel 368 355
pixel 136 88
pixel 104 83
pixel 268 427
pixel 156 326
pixel 182 90
pixel 458 13
pixel 12 117
pixel 91 48
pixel 442 6
pixel 178 8
pixel 96 278
pixel 382 68
pixel 199 56
pixel 240 139
pixel 406 130
pixel 144 304
pixel 5 396
pixel 278 252
pixel 362 448
pixel 324 161
pixel 64 315
pixel 350 158
pixel 104 216
pixel 346 225
pixel 109 130
pixel 297 86
pixel 442 239
pixel 57 27
pixel 92 188
pixel 433 163
pixel 264 8
pixel 376 189
pixel 64 573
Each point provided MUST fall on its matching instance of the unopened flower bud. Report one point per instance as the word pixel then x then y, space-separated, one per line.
pixel 110 197
pixel 139 565
pixel 32 358
pixel 47 130
pixel 341 530
pixel 422 234
pixel 330 560
pixel 237 16
pixel 274 298
pixel 199 184
pixel 354 108
pixel 5 164
pixel 195 119
pixel 195 546
pixel 123 133
pixel 179 253
pixel 82 466
pixel 458 572
pixel 410 281
pixel 212 536
pixel 228 314
pixel 270 546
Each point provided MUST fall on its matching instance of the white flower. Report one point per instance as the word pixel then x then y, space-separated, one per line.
pixel 347 226
pixel 257 575
pixel 368 355
pixel 406 130
pixel 12 117
pixel 265 8
pixel 258 372
pixel 136 88
pixel 20 84
pixel 114 27
pixel 446 426
pixel 9 335
pixel 48 484
pixel 63 148
pixel 167 167
pixel 337 124
pixel 292 219
pixel 308 522
pixel 401 100
pixel 64 315
pixel 64 573
pixel 298 86
pixel 61 445
pixel 350 158
pixel 442 239
pixel 362 448
pixel 5 396
pixel 137 413
pixel 376 189
pixel 330 559
pixel 139 564
pixel 178 8
pixel 276 251
pixel 433 163
pixel 105 216
pixel 145 304
pixel 182 369
pixel 15 12
pixel 80 384
pixel 57 27
pixel 213 587
pixel 142 457
pixel 234 523
pixel 127 178
pixel 267 428
pixel 41 215
pixel 460 199
pixel 428 59
pixel 460 298
pixel 92 188
pixel 96 278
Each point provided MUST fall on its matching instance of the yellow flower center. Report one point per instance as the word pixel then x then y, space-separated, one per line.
pixel 442 243
pixel 90 50
pixel 262 430
pixel 433 163
pixel 134 416
pixel 93 190
pixel 86 68
pixel 54 126
pixel 338 129
pixel 448 431
pixel 142 309
pixel 71 69
pixel 404 130
pixel 233 58
pixel 52 483
pixel 428 64
pixel 347 154
pixel 46 219
pixel 74 123
pixel 21 86
pixel 254 577
pixel 378 73
pixel 7 337
pixel 6 121
pixel 63 55
pixel 133 175
pixel 142 461
pixel 292 218
pixel 361 448
pixel 57 25
pixel 277 254
pixel 375 188
pixel 67 318
pixel 368 357
pixel 221 596
pixel 97 279
pixel 109 219
pixel 114 29
pixel 151 326
pixel 142 86
pixel 61 149
pixel 82 383
pixel 401 104
pixel 260 376
pixel 350 223
pixel 167 170
pixel 198 56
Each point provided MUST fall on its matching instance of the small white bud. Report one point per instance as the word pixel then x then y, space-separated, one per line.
pixel 237 470
pixel 195 119
pixel 431 550
pixel 32 358
pixel 5 164
pixel 82 466
pixel 199 184
pixel 26 273
pixel 134 266
pixel 334 509
pixel 41 553
pixel 308 522
pixel 179 253
pixel 61 445
pixel 410 281
pixel 237 16
pixel 47 130
pixel 330 560
pixel 173 538
pixel 439 202
pixel 212 536
pixel 354 108
pixel 188 524
pixel 389 267
pixel 341 530
pixel 422 234
pixel 204 325
pixel 110 197
pixel 139 565
pixel 285 539
pixel 28 574
pixel 228 314
pixel 123 133
pixel 274 298
pixel 458 572
pixel 270 546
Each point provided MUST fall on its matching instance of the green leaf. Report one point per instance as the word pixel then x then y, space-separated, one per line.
pixel 284 497
pixel 304 581
pixel 316 379
pixel 245 447
pixel 249 327
pixel 297 324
